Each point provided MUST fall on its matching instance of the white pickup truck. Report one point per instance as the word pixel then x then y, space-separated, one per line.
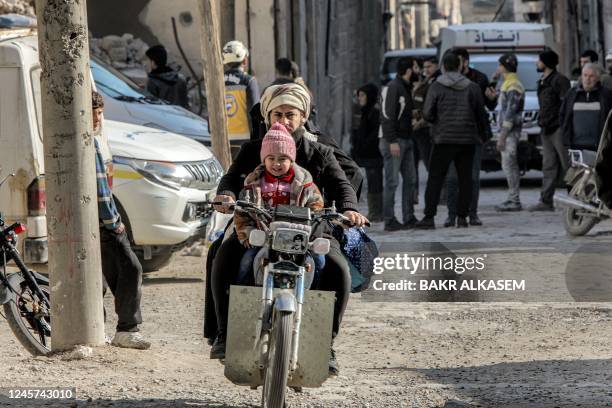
pixel 160 179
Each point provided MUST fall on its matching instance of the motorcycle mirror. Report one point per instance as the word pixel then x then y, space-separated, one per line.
pixel 320 246
pixel 257 238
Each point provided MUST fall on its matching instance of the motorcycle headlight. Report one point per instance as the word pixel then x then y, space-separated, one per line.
pixel 173 175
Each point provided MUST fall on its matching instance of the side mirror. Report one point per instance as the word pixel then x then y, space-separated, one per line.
pixel 257 238
pixel 320 246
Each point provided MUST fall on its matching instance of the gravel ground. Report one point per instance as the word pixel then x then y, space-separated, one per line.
pixel 392 354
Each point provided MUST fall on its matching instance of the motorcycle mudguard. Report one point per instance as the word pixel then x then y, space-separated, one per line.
pixel 284 302
pixel 242 352
pixel 15 280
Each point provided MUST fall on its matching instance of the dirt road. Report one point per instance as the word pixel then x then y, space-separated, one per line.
pixel 391 353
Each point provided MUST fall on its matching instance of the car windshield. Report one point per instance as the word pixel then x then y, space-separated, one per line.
pixel 117 85
pixel 527 71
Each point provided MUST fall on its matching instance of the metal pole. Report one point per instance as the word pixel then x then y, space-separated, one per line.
pixel 215 83
pixel 72 211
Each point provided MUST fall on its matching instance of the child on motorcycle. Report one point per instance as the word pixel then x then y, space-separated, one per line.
pixel 278 180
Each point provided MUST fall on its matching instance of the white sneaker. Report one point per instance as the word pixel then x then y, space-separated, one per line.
pixel 130 340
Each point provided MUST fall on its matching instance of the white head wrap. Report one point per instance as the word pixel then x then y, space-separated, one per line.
pixel 294 95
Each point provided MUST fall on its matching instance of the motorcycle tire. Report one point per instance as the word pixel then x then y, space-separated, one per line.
pixel 23 325
pixel 277 370
pixel 575 224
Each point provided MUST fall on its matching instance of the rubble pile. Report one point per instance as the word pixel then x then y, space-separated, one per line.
pixel 122 52
pixel 24 7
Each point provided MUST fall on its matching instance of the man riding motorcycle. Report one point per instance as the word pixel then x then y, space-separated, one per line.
pixel 288 104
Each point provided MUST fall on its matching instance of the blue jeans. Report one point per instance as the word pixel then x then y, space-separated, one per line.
pixel 246 276
pixel 394 167
pixel 452 186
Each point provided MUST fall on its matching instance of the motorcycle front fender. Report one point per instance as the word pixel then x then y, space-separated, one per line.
pixel 14 281
pixel 285 302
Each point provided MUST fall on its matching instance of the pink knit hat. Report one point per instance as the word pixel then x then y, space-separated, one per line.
pixel 277 141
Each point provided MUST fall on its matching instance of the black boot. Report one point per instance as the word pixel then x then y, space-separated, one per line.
pixel 217 351
pixel 462 222
pixel 449 222
pixel 426 223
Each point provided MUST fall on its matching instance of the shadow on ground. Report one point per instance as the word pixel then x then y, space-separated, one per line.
pixel 545 383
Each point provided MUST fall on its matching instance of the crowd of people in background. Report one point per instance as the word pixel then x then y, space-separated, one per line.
pixel 439 115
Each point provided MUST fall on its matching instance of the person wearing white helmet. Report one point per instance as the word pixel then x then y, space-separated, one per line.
pixel 606 79
pixel 241 91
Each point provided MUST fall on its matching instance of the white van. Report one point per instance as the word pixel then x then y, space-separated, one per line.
pixel 160 179
pixel 486 42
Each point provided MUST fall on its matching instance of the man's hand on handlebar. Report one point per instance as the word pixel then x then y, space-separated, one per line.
pixel 357 219
pixel 223 208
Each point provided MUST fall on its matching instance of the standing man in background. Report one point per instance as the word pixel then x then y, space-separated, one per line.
pixel 512 102
pixel 490 101
pixel 397 146
pixel 552 88
pixel 163 81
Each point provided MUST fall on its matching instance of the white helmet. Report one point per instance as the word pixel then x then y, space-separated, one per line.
pixel 234 51
pixel 609 56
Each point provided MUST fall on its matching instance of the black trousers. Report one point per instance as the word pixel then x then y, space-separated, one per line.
pixel 441 157
pixel 123 274
pixel 422 137
pixel 335 277
pixel 374 175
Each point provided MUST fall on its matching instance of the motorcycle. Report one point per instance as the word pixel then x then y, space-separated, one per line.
pixel 583 208
pixel 24 295
pixel 279 335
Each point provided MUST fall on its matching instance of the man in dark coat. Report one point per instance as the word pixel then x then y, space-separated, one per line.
pixel 552 88
pixel 163 81
pixel 490 102
pixel 455 107
pixel 397 146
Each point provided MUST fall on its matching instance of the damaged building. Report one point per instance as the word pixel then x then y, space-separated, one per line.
pixel 337 44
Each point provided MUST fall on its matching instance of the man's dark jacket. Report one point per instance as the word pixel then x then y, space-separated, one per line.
pixel 455 107
pixel 482 81
pixel 168 85
pixel 578 94
pixel 315 157
pixel 551 91
pixel 396 110
pixel 603 166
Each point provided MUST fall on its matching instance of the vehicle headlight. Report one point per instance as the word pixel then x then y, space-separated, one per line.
pixel 203 175
pixel 173 175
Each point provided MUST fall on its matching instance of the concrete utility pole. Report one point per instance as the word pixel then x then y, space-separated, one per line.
pixel 215 83
pixel 72 209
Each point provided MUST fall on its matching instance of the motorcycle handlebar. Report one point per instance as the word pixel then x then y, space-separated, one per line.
pixel 251 207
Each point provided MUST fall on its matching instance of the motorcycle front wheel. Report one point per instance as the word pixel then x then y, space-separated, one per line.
pixel 28 317
pixel 277 369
